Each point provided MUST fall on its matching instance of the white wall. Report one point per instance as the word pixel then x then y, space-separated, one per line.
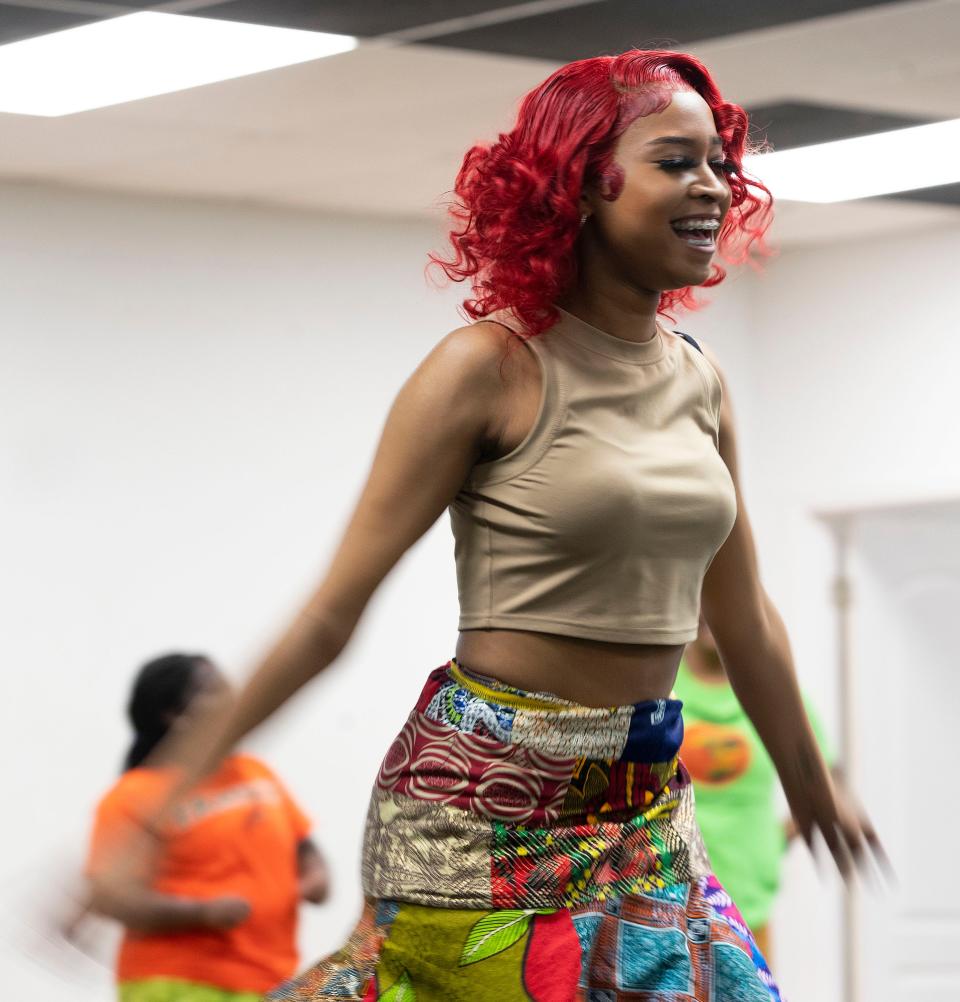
pixel 191 394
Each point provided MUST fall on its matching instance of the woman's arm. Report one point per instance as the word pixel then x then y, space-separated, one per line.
pixel 143 910
pixel 312 872
pixel 756 654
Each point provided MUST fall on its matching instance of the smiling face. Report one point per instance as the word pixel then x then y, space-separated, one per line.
pixel 657 230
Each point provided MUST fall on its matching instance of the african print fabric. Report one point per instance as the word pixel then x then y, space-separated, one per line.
pixel 523 847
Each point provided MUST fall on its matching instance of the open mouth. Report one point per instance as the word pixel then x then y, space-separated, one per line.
pixel 699 233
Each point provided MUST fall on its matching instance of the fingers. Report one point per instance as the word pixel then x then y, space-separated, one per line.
pixel 856 850
pixel 879 853
pixel 847 833
pixel 840 849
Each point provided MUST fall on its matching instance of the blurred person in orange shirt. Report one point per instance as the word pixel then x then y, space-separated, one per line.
pixel 217 922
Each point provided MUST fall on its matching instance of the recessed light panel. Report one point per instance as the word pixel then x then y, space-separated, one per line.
pixel 923 156
pixel 142 55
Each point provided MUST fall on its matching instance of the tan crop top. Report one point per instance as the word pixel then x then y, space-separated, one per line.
pixel 603 521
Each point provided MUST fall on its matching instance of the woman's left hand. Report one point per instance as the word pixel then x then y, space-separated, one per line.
pixel 826 807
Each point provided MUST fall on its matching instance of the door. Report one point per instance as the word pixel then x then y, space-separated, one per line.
pixel 905 689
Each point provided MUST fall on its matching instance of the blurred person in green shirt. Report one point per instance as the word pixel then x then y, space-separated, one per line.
pixel 735 785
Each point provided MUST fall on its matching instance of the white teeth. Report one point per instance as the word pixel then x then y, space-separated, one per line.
pixel 696 224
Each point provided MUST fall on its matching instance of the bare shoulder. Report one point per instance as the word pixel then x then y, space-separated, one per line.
pixel 478 353
pixel 490 381
pixel 484 366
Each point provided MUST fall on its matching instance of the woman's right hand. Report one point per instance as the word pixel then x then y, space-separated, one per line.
pixel 224 913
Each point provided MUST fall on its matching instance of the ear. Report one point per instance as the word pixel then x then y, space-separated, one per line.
pixel 605 188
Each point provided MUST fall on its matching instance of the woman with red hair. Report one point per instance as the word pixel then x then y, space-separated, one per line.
pixel 531 833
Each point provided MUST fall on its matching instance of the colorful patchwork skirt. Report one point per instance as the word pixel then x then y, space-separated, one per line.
pixel 523 847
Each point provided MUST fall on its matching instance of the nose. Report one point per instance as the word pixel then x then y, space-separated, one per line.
pixel 709 185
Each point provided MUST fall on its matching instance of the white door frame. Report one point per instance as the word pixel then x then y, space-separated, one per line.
pixel 842 522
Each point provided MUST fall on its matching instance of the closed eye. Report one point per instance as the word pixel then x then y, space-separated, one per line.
pixel 685 163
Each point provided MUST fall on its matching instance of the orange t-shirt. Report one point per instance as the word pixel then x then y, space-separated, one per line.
pixel 236 834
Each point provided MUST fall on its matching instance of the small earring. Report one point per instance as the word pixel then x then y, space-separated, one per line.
pixel 583 219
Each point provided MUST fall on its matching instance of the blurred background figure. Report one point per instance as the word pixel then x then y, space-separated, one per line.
pixel 735 784
pixel 218 921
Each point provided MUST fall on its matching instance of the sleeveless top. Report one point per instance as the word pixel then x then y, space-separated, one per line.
pixel 602 522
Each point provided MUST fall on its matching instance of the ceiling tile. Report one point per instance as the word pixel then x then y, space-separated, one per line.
pixel 944 194
pixel 617 25
pixel 17 23
pixel 367 18
pixel 799 123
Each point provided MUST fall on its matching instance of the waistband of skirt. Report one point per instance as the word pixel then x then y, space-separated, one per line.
pixel 491 688
pixel 647 731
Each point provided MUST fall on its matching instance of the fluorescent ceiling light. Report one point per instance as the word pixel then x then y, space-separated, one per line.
pixel 140 55
pixel 918 157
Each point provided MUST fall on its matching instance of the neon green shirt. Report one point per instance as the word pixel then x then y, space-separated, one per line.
pixel 735 785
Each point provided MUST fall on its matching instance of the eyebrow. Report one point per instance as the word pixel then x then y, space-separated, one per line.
pixel 682 141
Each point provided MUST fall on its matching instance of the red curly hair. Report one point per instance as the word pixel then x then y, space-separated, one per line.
pixel 517 214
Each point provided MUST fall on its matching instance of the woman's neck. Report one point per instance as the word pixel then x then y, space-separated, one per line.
pixel 626 313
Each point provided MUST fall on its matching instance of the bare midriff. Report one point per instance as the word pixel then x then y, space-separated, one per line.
pixel 589 672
